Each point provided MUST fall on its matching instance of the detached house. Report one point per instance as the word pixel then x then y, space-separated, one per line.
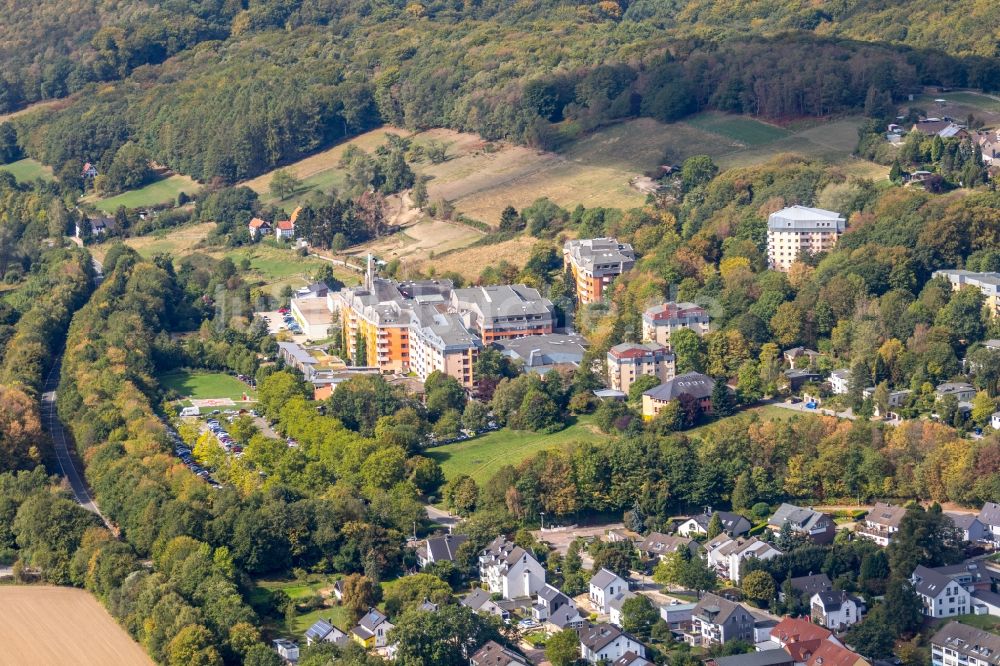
pixel 439 549
pixel 258 227
pixel 605 586
pixel 941 596
pixel 989 516
pixel 970 526
pixel 695 385
pixel 801 638
pixel 658 545
pixel 819 527
pixel 733 524
pixel 836 610
pixel 509 570
pixel 548 600
pixel 285 229
pixel 716 620
pixel 372 630
pixel 323 631
pixel 881 523
pixel 603 642
pixel 567 617
pixel 830 653
pixel 494 654
pixel 480 602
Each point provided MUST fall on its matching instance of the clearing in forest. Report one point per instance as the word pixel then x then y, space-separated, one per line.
pixel 28 170
pixel 52 626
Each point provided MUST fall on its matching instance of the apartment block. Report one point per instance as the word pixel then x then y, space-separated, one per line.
pixel 797 230
pixel 987 283
pixel 957 644
pixel 595 263
pixel 629 361
pixel 660 321
pixel 504 312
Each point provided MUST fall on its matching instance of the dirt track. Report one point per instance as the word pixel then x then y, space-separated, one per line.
pixel 43 625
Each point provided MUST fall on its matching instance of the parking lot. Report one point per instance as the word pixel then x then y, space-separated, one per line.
pixel 276 321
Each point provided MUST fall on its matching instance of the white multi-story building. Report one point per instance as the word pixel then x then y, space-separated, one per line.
pixel 629 361
pixel 835 609
pixel 796 230
pixel 509 570
pixel 604 586
pixel 941 596
pixel 957 644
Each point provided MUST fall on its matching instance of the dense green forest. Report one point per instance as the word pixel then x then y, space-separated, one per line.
pixel 276 81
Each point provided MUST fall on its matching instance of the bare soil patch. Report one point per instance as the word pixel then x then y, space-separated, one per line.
pixel 43 625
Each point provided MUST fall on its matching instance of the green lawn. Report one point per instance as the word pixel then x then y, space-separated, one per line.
pixel 741 128
pixel 989 623
pixel 161 191
pixel 480 458
pixel 205 385
pixel 28 170
pixel 764 412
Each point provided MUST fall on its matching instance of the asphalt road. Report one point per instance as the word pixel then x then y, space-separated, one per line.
pixel 60 442
pixel 442 518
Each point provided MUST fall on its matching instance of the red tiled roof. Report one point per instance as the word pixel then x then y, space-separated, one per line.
pixel 796 629
pixel 257 223
pixel 286 225
pixel 831 654
pixel 672 311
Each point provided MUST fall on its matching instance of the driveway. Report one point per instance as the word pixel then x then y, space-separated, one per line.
pixel 441 517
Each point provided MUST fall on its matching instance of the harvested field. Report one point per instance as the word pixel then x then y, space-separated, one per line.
pixel 471 261
pixel 177 241
pixel 43 625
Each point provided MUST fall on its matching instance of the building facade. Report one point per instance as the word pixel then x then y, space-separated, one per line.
pixel 595 263
pixel 799 230
pixel 660 321
pixel 987 283
pixel 629 361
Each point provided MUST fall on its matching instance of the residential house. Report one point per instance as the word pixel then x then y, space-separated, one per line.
pixel 972 575
pixel 509 570
pixel 604 586
pixel 480 601
pixel 258 227
pixel 730 556
pixel 628 361
pixel 323 631
pixel 987 283
pixel 567 617
pixel 677 615
pixel 830 653
pixel 285 229
pixel 969 525
pixel 89 170
pixel 798 230
pixel 692 384
pixel 439 549
pixel 989 146
pixel 99 226
pixel 733 524
pixel 619 534
pixel 801 638
pixel 504 312
pixel 768 657
pixel 800 357
pixel 817 526
pixel 548 600
pixel 840 381
pixel 957 644
pixel 428 606
pixel 604 642
pixel 372 630
pixel 836 610
pixel 941 596
pixel 963 391
pixel 494 654
pixel 287 650
pixel 895 400
pixel 881 523
pixel 657 545
pixel 541 353
pixel 797 378
pixel 995 420
pixel 945 129
pixel 660 321
pixel 631 659
pixel 615 607
pixel 807 586
pixel 595 263
pixel 716 620
pixel 989 516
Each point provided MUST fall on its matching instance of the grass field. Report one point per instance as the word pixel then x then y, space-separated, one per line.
pixel 480 458
pixel 765 412
pixel 177 241
pixel 747 131
pixel 206 385
pixel 989 623
pixel 28 170
pixel 958 105
pixel 158 192
pixel 45 626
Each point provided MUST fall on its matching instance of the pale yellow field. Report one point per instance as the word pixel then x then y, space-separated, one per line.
pixel 178 241
pixel 43 625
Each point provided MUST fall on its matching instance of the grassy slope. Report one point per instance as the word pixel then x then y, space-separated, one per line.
pixel 158 192
pixel 480 458
pixel 27 170
pixel 204 385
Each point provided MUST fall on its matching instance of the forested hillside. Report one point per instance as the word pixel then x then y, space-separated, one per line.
pixel 272 82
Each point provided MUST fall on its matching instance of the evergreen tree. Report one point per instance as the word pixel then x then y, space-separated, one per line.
pixel 723 403
pixel 714 526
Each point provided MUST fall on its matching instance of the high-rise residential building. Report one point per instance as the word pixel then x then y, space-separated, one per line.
pixel 503 312
pixel 595 263
pixel 987 283
pixel 798 229
pixel 660 321
pixel 629 361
